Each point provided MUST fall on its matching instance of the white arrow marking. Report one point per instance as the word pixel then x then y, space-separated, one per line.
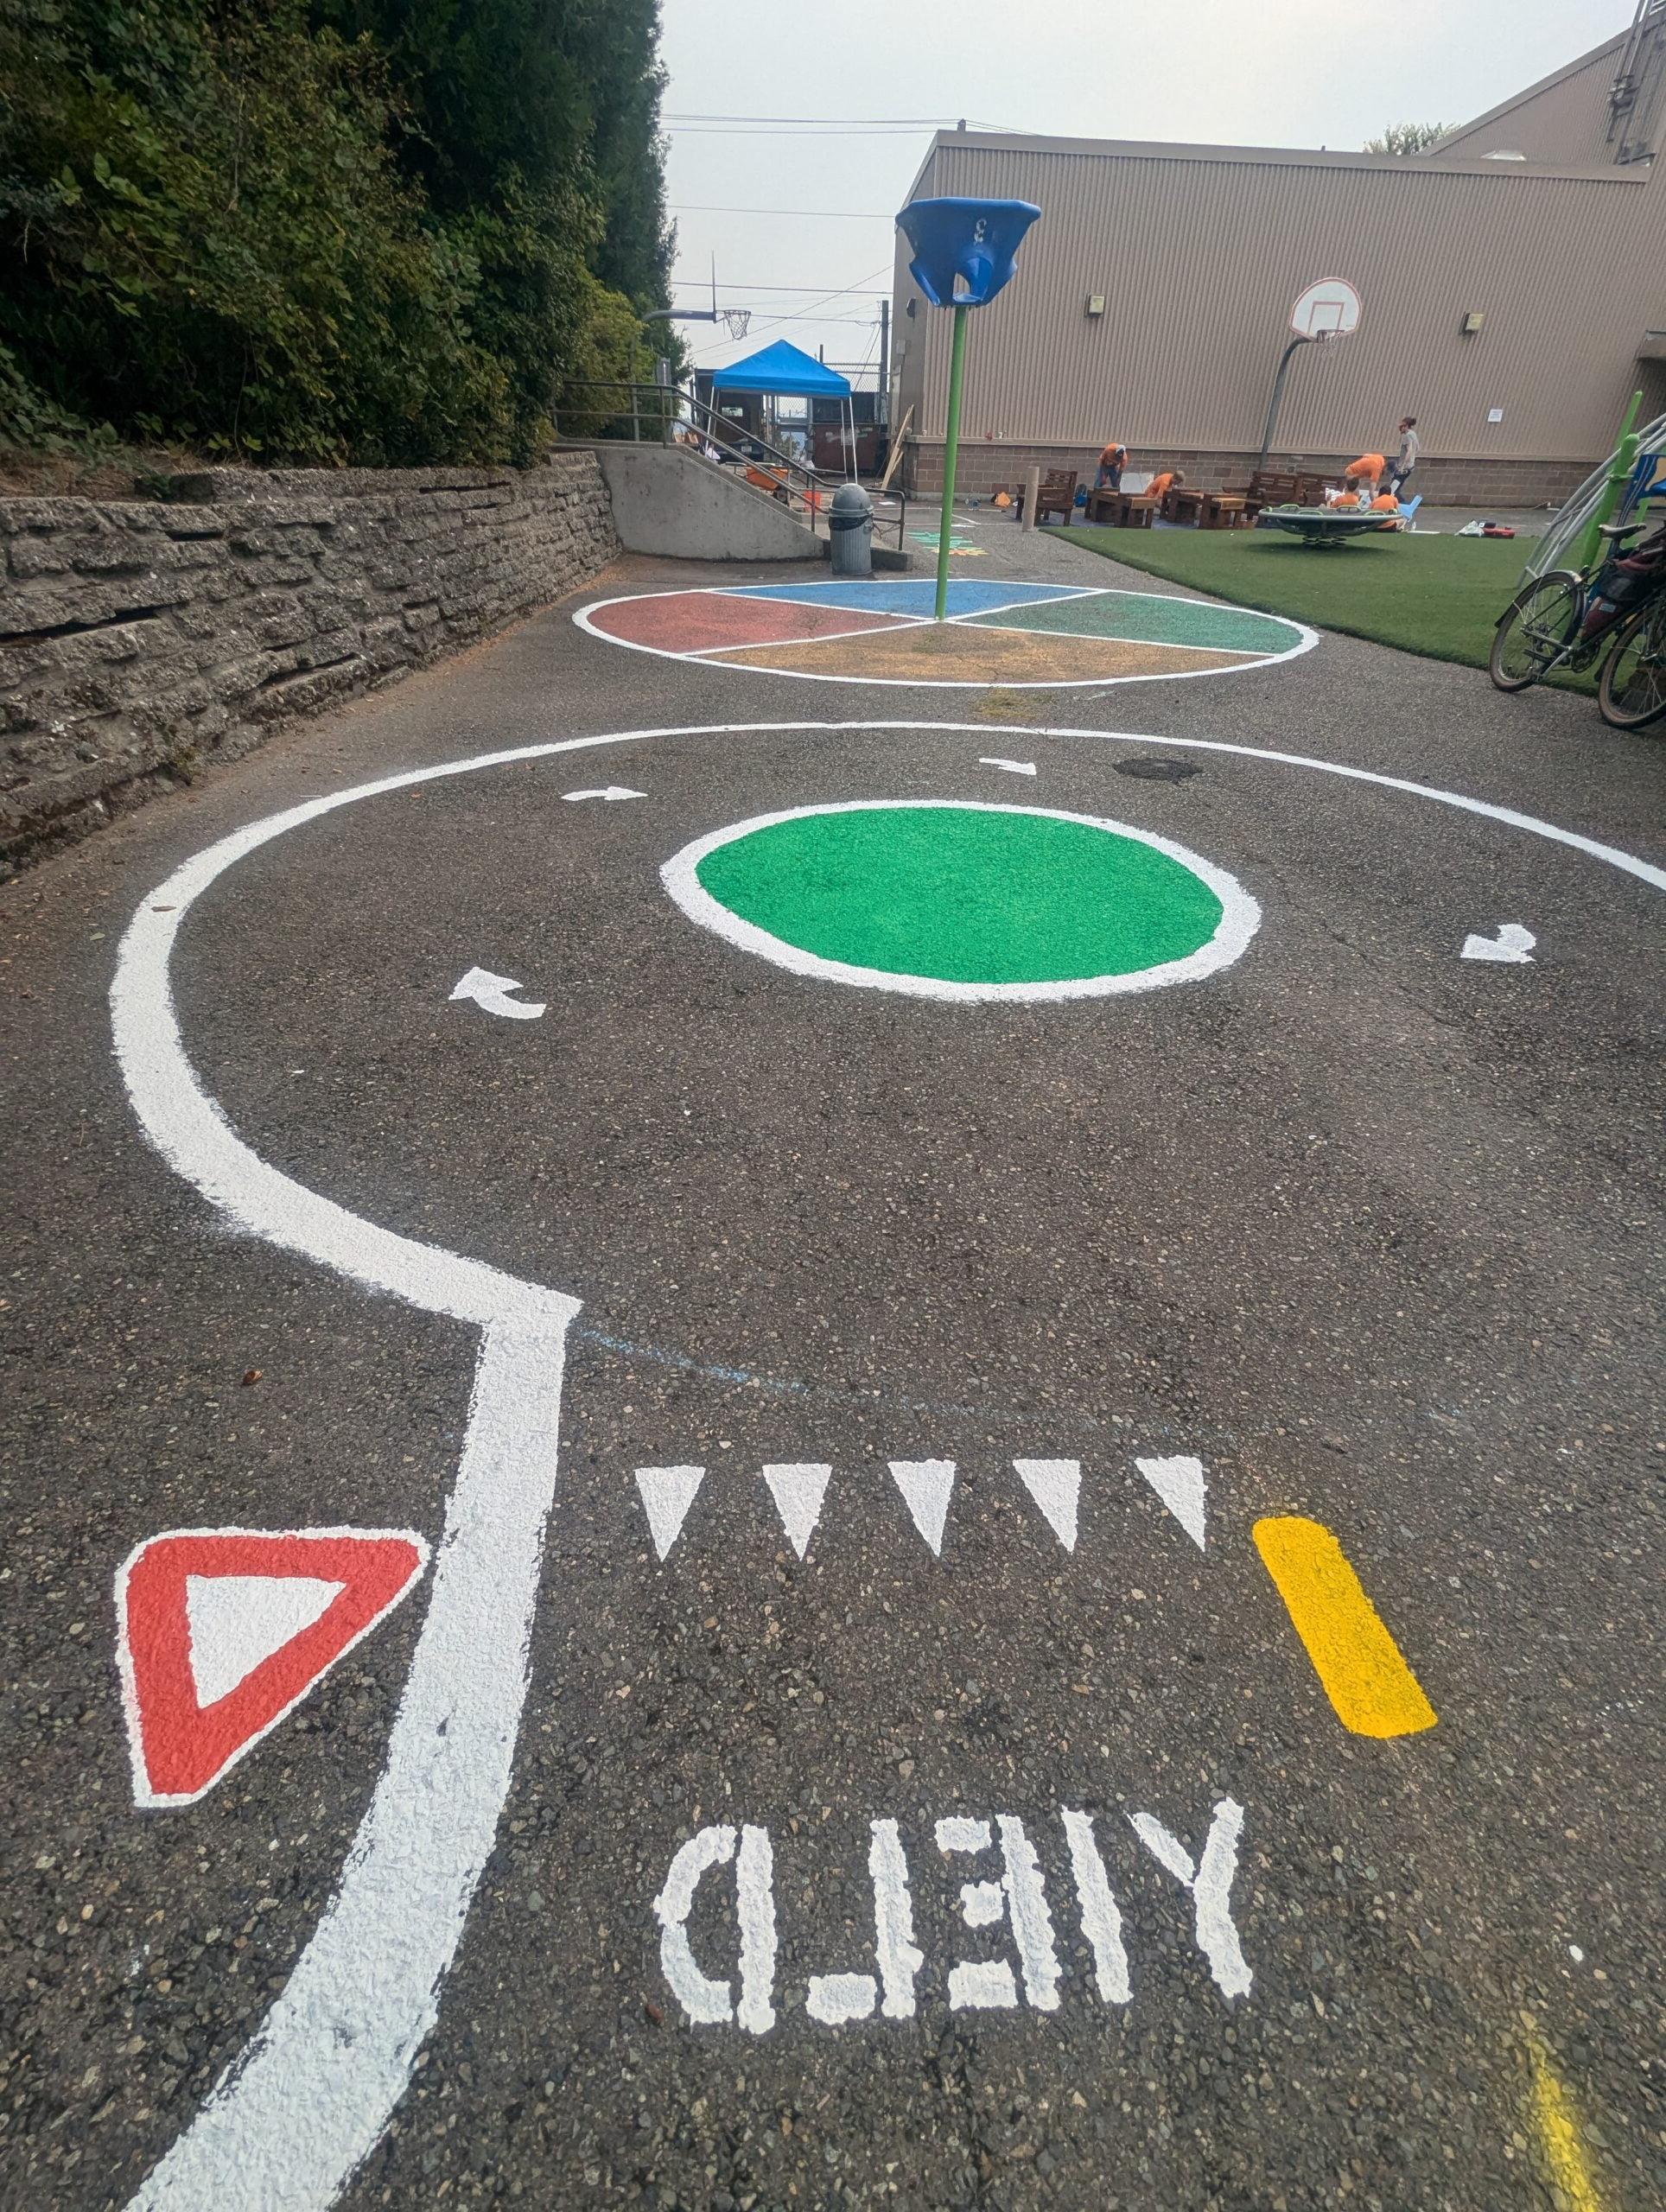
pixel 1012 767
pixel 491 992
pixel 1054 1485
pixel 606 791
pixel 1512 943
pixel 797 1492
pixel 1180 1485
pixel 926 1485
pixel 667 1494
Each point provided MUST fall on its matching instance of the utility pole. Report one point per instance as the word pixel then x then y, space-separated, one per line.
pixel 884 408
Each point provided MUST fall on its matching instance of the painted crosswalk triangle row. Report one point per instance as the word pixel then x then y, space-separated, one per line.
pixel 926 1485
pixel 797 1490
pixel 667 1494
pixel 1055 1484
pixel 1180 1485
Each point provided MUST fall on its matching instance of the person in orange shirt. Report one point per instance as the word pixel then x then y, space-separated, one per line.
pixel 1112 461
pixel 1369 468
pixel 1388 506
pixel 1163 483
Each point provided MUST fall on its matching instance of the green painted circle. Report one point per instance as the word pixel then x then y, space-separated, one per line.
pixel 963 895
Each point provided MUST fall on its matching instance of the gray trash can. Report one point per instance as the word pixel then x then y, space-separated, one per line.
pixel 850 524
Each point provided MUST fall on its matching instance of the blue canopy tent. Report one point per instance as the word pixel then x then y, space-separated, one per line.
pixel 783 371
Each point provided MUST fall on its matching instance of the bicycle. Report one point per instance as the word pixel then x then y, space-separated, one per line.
pixel 1569 619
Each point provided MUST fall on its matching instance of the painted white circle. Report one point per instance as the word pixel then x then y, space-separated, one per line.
pixel 1240 915
pixel 712 656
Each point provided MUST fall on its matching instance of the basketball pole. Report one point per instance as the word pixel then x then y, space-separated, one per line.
pixel 1285 359
pixel 951 450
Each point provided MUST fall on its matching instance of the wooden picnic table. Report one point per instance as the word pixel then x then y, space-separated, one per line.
pixel 1222 510
pixel 1120 510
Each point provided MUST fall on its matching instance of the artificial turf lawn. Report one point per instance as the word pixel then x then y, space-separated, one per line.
pixel 1439 596
pixel 963 895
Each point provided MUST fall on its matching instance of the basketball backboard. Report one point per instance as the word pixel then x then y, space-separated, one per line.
pixel 1329 309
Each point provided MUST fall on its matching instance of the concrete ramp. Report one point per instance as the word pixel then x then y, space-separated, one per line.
pixel 671 501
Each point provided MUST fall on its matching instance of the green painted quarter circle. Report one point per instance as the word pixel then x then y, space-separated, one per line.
pixel 964 900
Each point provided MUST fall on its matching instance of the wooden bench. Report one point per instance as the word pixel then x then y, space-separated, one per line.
pixel 1056 496
pixel 1274 488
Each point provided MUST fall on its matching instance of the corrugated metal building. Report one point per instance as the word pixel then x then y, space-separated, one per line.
pixel 1525 218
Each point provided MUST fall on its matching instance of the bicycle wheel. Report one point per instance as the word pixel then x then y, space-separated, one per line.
pixel 1536 626
pixel 1632 689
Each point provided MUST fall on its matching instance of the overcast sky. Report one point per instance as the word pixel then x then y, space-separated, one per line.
pixel 1268 72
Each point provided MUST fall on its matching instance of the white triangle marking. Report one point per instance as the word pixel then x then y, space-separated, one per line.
pixel 1180 1485
pixel 667 1494
pixel 926 1485
pixel 1055 1485
pixel 797 1492
pixel 235 1621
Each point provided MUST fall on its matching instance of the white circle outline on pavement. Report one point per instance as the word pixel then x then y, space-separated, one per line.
pixel 1240 915
pixel 712 657
pixel 308 2099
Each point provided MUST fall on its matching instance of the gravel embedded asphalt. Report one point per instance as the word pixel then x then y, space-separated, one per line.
pixel 1368 1232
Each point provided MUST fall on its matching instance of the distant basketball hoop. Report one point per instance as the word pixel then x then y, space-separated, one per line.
pixel 1325 310
pixel 738 321
pixel 1330 309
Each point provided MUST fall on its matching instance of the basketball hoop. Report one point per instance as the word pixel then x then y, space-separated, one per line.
pixel 738 320
pixel 1330 309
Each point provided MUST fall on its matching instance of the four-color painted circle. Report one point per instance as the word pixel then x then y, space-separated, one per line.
pixel 951 899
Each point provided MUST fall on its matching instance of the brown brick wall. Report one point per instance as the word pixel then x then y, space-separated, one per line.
pixel 141 640
pixel 984 467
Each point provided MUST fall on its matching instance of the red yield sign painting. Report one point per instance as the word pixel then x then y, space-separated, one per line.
pixel 220 1632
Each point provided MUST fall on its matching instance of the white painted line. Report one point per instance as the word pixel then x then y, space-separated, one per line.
pixel 490 994
pixel 797 1492
pixel 899 1957
pixel 834 1998
pixel 1181 1485
pixel 701 1997
pixel 1306 640
pixel 1240 915
pixel 891 625
pixel 605 791
pixel 1055 1485
pixel 288 2121
pixel 667 1494
pixel 1209 1883
pixel 237 2154
pixel 927 1486
pixel 1027 1903
pixel 1512 943
pixel 1102 1920
pixel 1012 767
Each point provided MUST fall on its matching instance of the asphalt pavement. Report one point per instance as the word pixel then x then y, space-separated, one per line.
pixel 1097 1638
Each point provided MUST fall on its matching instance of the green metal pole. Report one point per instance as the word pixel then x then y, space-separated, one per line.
pixel 1619 474
pixel 951 450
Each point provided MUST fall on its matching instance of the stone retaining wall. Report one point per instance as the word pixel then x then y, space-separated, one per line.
pixel 142 640
pixel 1444 480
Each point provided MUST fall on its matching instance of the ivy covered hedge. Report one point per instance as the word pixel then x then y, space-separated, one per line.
pixel 359 231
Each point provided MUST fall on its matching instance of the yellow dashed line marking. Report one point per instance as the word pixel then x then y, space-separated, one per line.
pixel 1359 1663
pixel 1559 2132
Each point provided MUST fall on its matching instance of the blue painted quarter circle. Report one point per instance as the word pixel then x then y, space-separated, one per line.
pixel 911 596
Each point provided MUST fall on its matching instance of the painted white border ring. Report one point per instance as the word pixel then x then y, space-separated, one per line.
pixel 244 2144
pixel 1240 915
pixel 713 656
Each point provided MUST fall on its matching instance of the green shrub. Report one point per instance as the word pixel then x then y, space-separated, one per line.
pixel 217 234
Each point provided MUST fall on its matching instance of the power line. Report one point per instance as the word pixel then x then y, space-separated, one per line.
pixel 847 214
pixel 844 292
pixel 703 282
